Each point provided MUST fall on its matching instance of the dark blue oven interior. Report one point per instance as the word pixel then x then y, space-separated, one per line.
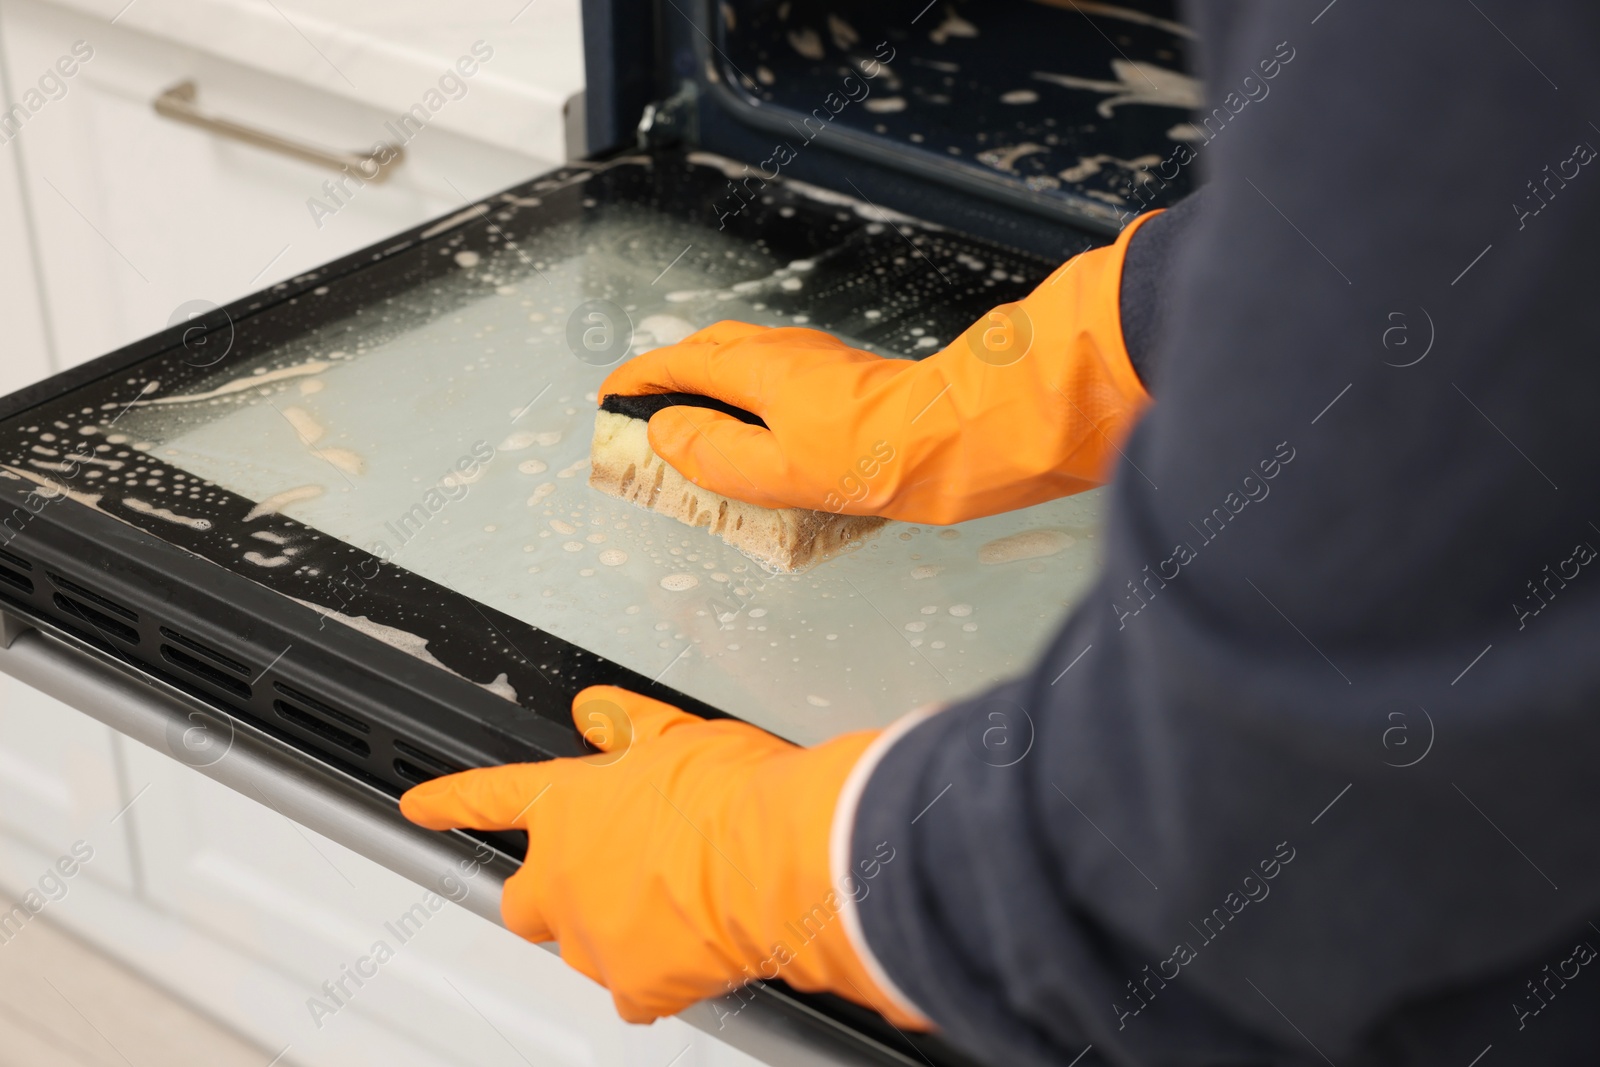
pixel 1019 120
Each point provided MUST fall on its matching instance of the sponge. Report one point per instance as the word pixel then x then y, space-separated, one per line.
pixel 623 464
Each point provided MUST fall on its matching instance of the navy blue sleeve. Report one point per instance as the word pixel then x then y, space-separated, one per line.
pixel 1310 775
pixel 1147 272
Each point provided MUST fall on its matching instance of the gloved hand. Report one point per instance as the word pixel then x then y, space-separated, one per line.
pixel 687 858
pixel 1027 405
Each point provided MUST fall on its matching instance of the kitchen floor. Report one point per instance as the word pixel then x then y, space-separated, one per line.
pixel 63 1004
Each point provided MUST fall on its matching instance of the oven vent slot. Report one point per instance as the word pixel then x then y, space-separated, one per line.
pixel 85 635
pixel 99 621
pixel 315 726
pixel 412 773
pixel 322 709
pixel 198 668
pixel 19 581
pixel 16 561
pixel 417 766
pixel 92 597
pixel 209 653
pixel 427 759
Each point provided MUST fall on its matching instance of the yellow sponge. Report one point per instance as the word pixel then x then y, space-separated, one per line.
pixel 623 464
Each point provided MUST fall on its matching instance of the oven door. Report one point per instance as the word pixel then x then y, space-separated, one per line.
pixel 343 526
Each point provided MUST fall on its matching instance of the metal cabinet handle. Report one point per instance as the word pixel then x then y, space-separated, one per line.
pixel 179 103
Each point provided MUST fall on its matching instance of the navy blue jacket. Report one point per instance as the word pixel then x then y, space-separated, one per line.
pixel 1322 783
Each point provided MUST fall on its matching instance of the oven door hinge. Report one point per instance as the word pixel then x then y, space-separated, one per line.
pixel 669 121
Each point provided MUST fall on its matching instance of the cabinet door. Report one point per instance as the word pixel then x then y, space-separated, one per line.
pixel 456 990
pixel 139 216
pixel 60 785
pixel 24 351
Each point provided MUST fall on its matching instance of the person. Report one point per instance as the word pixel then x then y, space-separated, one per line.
pixel 1312 768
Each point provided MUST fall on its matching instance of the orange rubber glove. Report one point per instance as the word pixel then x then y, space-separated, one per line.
pixel 687 858
pixel 1027 405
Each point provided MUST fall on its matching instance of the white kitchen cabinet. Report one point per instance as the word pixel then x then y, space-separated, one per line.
pixel 24 348
pixel 60 784
pixel 137 215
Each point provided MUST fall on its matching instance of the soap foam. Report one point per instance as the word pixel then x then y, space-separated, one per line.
pixel 144 508
pixel 305 424
pixel 501 687
pixel 1030 544
pixel 666 329
pixel 240 385
pixel 278 501
pixel 343 459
